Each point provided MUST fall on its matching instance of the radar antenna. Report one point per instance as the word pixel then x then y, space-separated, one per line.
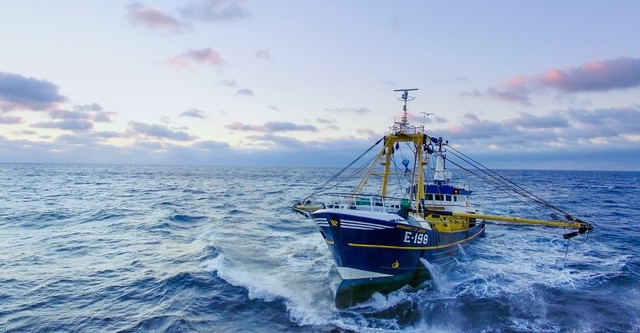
pixel 406 98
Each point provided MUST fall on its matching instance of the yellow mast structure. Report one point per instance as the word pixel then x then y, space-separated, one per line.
pixel 403 132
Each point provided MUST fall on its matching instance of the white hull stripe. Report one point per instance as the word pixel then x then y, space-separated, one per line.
pixel 348 273
pixel 363 225
pixel 350 224
pixel 357 227
pixel 321 222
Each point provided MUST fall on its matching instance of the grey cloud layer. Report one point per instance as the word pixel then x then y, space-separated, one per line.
pixel 20 92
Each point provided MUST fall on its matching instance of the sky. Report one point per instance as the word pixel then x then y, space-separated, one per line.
pixel 513 84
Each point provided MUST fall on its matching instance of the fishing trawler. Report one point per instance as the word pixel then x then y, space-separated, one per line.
pixel 401 217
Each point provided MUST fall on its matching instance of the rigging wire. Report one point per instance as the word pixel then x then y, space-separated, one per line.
pixel 487 175
pixel 500 181
pixel 490 181
pixel 400 171
pixel 499 185
pixel 352 175
pixel 334 177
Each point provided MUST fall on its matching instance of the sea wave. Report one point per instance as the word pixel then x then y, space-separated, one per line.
pixel 145 248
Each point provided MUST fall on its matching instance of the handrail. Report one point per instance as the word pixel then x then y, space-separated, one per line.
pixel 374 201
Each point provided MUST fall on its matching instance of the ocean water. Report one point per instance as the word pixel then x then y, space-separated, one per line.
pixel 101 248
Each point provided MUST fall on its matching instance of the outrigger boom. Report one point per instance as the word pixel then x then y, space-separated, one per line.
pixel 576 224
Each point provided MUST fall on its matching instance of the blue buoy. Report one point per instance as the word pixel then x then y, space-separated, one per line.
pixel 405 162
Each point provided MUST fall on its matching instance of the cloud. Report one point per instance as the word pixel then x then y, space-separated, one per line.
pixel 529 121
pixel 214 10
pixel 282 150
pixel 88 107
pixel 67 124
pixel 473 128
pixel 26 132
pixel 91 112
pixel 205 56
pixel 211 145
pixel 22 93
pixel 349 110
pixel 10 120
pixel 572 130
pixel 271 127
pixel 602 138
pixel 87 148
pixel 158 131
pixel 368 132
pixel 281 142
pixel 244 92
pixel 227 83
pixel 264 55
pixel 154 19
pixel 511 95
pixel 601 75
pixel 620 73
pixel 108 134
pixel 89 138
pixel 74 139
pixel 194 113
pixel 613 122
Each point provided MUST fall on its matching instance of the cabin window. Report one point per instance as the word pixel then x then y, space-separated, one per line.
pixel 455 198
pixel 439 197
pixel 448 197
pixel 429 196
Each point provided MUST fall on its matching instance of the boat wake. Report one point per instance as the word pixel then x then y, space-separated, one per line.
pixel 298 273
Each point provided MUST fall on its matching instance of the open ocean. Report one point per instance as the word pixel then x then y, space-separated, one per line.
pixel 104 248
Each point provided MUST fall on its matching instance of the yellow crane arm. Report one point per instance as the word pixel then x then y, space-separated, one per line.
pixel 578 224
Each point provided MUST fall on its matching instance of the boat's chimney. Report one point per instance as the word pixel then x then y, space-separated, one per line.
pixel 440 173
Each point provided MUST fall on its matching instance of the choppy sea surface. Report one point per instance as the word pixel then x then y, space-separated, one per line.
pixel 101 248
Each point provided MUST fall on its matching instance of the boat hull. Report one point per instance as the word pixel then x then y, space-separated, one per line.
pixel 376 248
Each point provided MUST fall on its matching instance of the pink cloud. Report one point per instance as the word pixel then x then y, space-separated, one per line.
pixel 620 73
pixel 154 19
pixel 204 56
pixel 602 75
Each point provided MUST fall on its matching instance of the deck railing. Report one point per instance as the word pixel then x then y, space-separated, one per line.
pixel 371 202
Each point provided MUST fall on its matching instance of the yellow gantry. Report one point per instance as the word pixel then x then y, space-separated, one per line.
pixel 389 146
pixel 520 220
pixel 387 151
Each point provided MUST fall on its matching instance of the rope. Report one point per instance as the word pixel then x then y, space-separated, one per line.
pixel 501 182
pixel 322 187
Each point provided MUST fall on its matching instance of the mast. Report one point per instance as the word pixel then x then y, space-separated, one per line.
pixel 402 131
pixel 404 123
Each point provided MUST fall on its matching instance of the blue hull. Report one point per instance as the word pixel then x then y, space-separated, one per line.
pixel 382 252
pixel 384 246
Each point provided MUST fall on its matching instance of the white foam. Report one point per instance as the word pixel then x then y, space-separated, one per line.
pixel 299 270
pixel 515 262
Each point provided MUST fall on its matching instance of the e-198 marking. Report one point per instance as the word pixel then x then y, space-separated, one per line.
pixel 410 237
